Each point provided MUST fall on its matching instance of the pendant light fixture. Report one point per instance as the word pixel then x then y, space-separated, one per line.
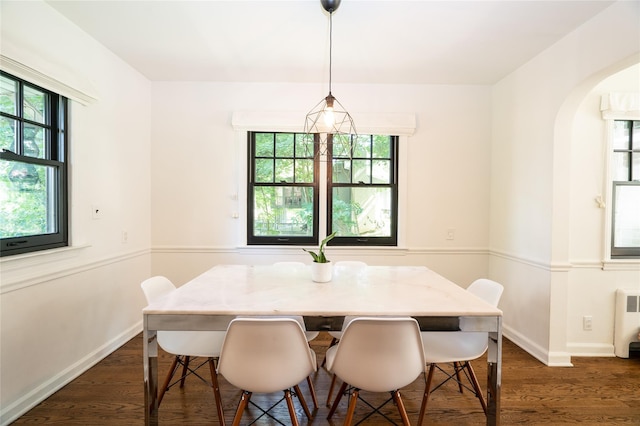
pixel 329 119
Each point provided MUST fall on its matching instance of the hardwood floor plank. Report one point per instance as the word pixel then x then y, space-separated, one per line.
pixel 596 391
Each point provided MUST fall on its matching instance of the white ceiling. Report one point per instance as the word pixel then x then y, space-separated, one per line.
pixel 374 41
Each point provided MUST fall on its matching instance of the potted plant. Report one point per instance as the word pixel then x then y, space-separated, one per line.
pixel 321 267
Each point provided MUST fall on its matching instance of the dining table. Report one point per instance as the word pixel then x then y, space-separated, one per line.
pixel 211 300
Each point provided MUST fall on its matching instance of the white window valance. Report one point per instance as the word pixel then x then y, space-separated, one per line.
pixel 398 124
pixel 620 106
pixel 34 76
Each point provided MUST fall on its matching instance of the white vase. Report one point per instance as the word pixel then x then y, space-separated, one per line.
pixel 321 272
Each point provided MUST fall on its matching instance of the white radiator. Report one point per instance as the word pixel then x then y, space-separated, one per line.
pixel 627 324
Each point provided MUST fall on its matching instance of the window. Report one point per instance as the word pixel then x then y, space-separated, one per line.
pixel 287 204
pixel 33 185
pixel 625 176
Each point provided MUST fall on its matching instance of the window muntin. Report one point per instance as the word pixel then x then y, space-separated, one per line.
pixel 625 175
pixel 284 192
pixel 33 208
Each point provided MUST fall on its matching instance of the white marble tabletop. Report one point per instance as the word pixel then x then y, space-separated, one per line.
pixel 271 290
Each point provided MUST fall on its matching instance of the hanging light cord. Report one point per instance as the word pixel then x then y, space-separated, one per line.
pixel 330 46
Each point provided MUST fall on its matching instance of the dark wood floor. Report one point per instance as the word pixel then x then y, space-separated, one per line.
pixel 596 391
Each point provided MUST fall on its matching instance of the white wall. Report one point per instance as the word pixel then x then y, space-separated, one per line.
pixel 64 310
pixel 198 166
pixel 533 110
pixel 587 226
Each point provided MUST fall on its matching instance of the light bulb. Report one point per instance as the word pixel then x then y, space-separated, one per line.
pixel 329 118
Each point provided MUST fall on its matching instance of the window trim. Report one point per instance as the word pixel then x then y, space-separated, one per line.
pixel 57 153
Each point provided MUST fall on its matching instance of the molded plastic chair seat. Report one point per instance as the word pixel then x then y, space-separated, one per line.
pixel 459 348
pixel 376 354
pixel 185 345
pixel 266 355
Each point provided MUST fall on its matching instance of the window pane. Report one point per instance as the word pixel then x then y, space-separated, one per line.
pixel 8 134
pixel 283 211
pixel 264 144
pixel 361 171
pixel 635 167
pixel 341 171
pixel 34 140
pixel 362 148
pixel 284 170
pixel 362 212
pixel 620 166
pixel 8 95
pixel 34 105
pixel 304 171
pixel 341 146
pixel 26 206
pixel 284 145
pixel 304 145
pixel 381 171
pixel 620 135
pixel 636 135
pixel 626 217
pixel 264 170
pixel 381 146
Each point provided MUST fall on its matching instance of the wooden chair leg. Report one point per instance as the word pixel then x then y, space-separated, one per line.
pixel 330 394
pixel 292 410
pixel 303 401
pixel 476 386
pixel 456 369
pixel 352 408
pixel 427 392
pixel 334 407
pixel 216 391
pixel 403 412
pixel 167 380
pixel 185 370
pixel 244 401
pixel 312 390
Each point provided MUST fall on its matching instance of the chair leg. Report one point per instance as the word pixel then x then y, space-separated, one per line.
pixel 216 391
pixel 312 390
pixel 185 370
pixel 330 394
pixel 456 369
pixel 476 386
pixel 167 380
pixel 292 410
pixel 352 408
pixel 427 392
pixel 403 412
pixel 303 401
pixel 334 407
pixel 244 401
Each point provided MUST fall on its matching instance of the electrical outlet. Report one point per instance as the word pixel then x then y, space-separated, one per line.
pixel 451 234
pixel 587 322
pixel 125 236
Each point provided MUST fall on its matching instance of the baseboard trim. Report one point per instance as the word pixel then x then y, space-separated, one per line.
pixel 550 359
pixel 32 398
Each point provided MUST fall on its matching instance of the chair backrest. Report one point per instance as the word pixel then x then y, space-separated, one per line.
pixel 487 290
pixel 156 287
pixel 467 345
pixel 265 354
pixel 193 343
pixel 379 354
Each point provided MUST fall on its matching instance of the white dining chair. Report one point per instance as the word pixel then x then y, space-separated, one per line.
pixel 185 346
pixel 376 354
pixel 265 355
pixel 459 349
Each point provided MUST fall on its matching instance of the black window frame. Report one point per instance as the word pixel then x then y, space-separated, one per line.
pixel 252 184
pixel 56 157
pixel 391 240
pixel 618 252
